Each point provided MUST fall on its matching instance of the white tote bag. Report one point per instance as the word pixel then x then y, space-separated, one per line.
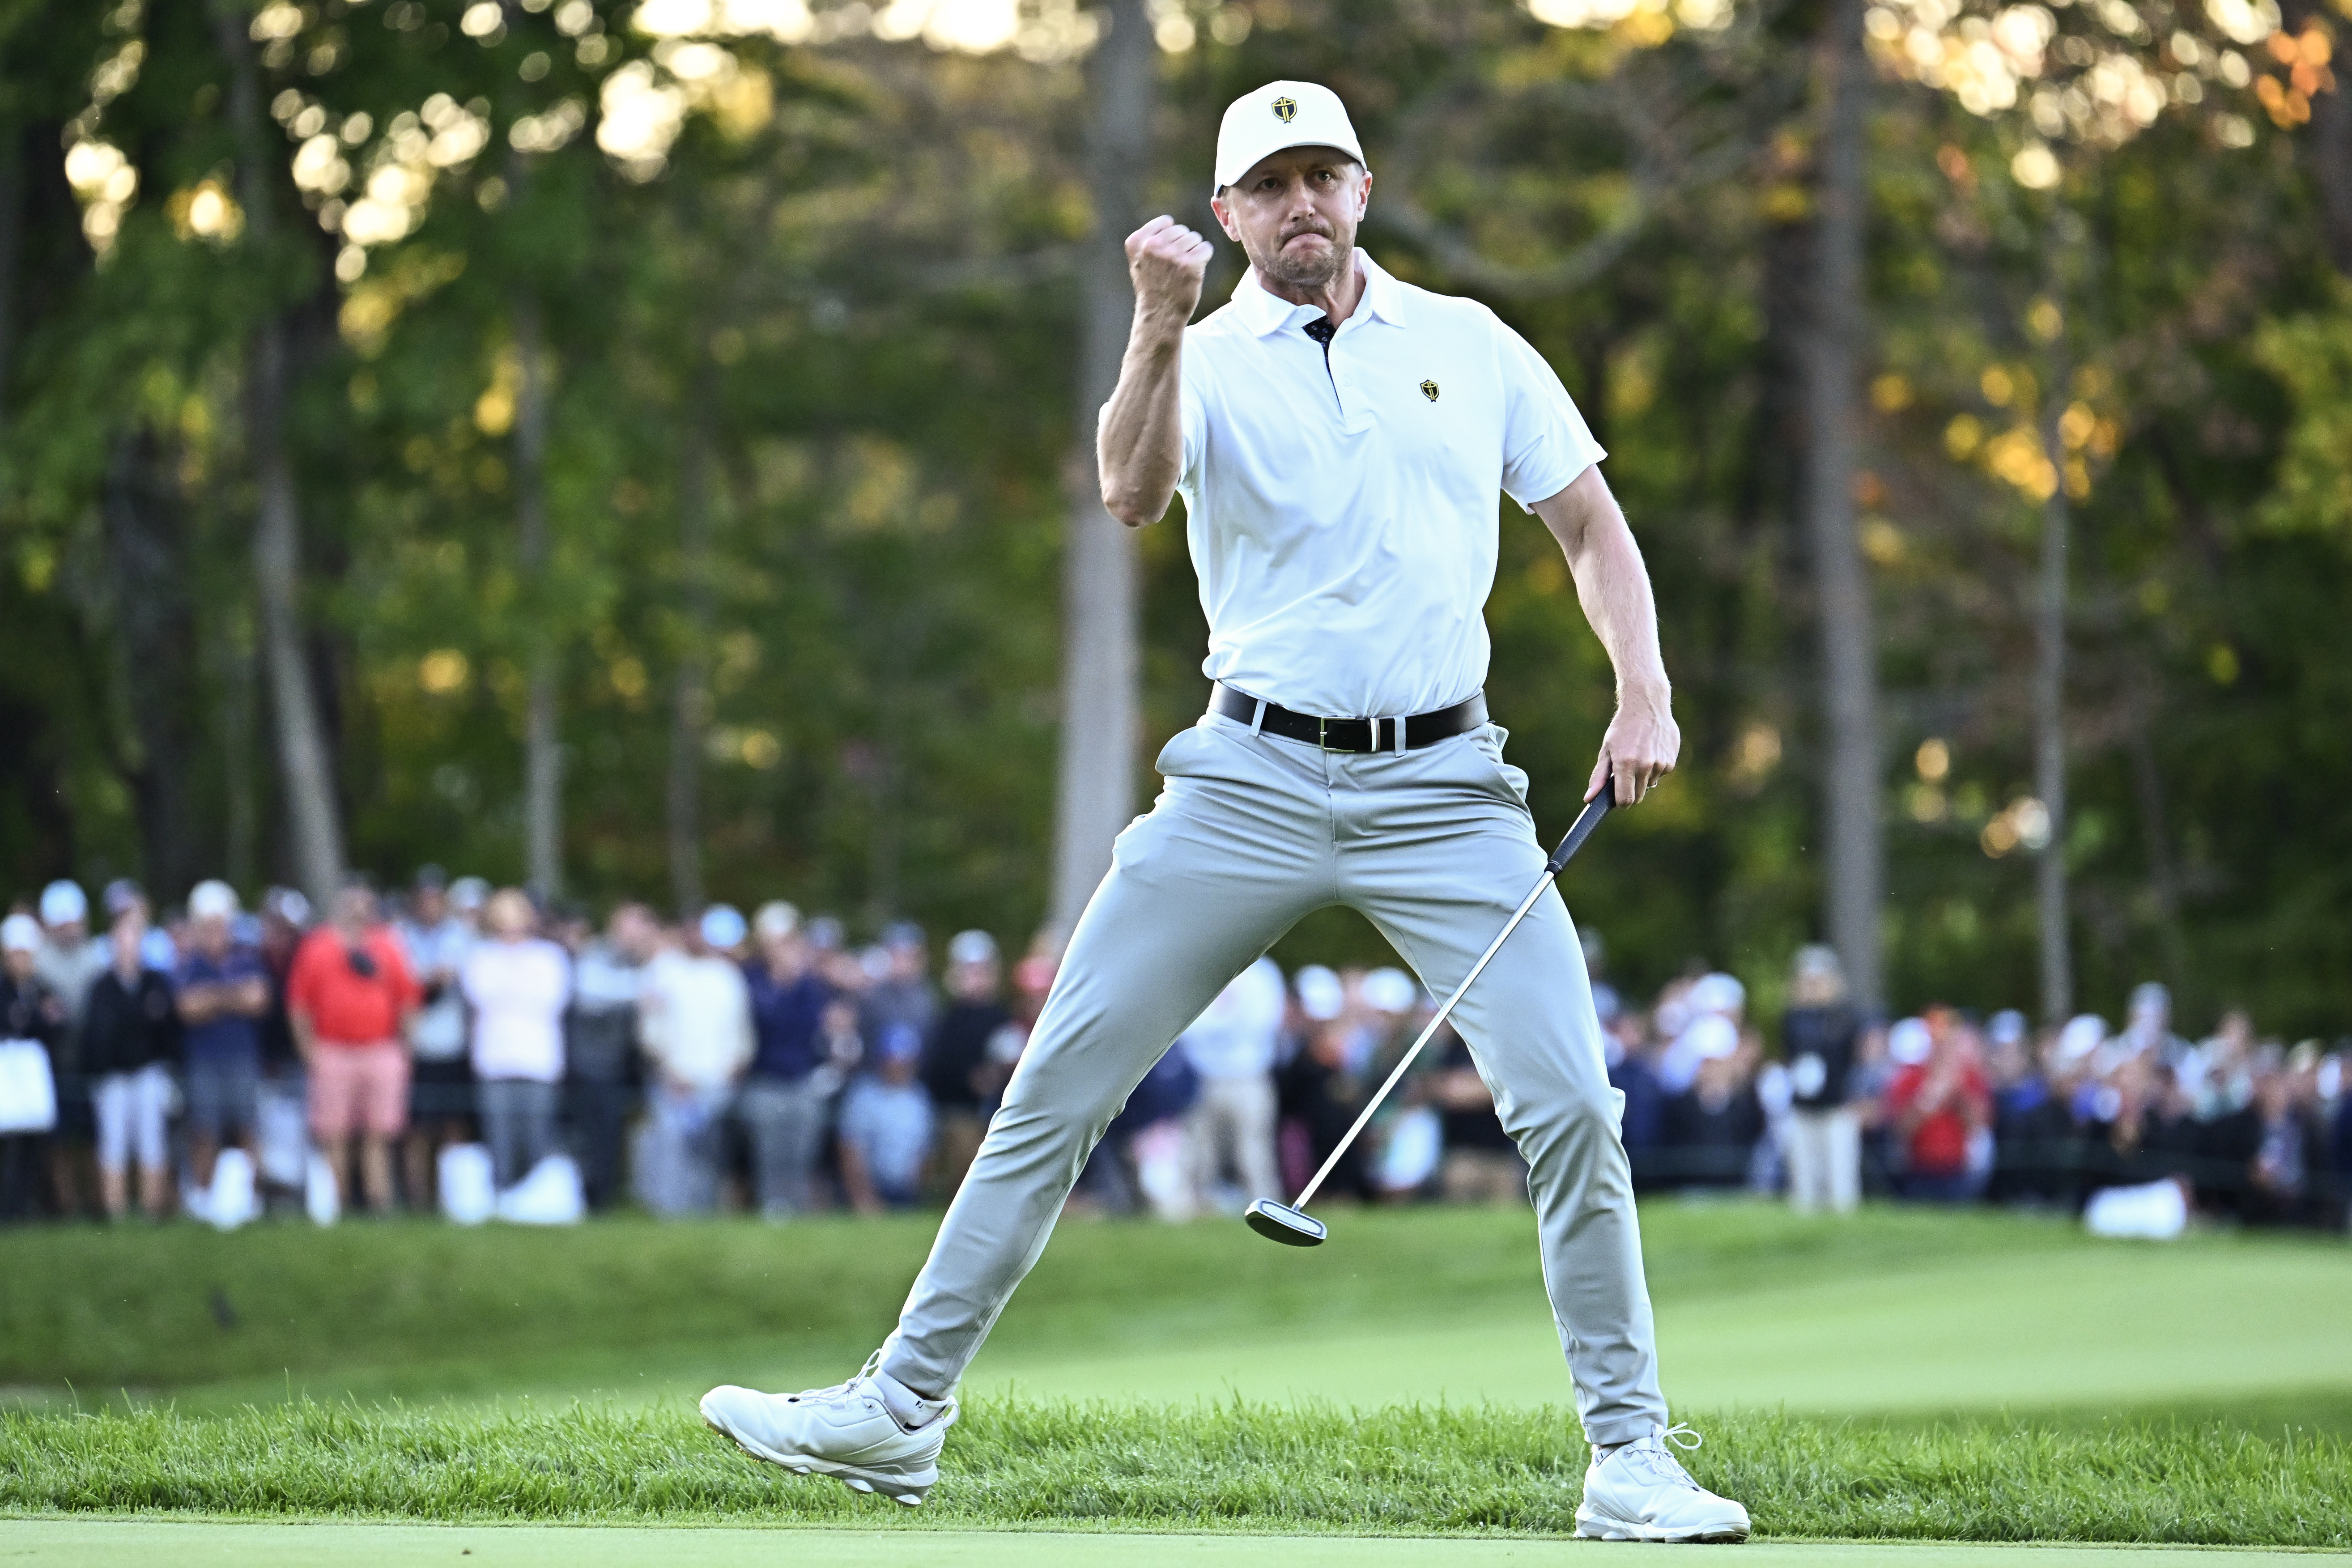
pixel 29 1095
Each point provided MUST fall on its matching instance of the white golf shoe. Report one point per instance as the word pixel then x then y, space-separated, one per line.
pixel 1641 1492
pixel 847 1432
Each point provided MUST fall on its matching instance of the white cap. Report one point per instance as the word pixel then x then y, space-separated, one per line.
pixel 1719 993
pixel 2084 1033
pixel 722 926
pixel 971 947
pixel 1278 115
pixel 1909 1043
pixel 1320 995
pixel 213 900
pixel 776 919
pixel 1710 1037
pixel 1390 990
pixel 64 902
pixel 20 933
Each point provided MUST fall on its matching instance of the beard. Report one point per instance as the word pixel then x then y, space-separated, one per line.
pixel 1310 270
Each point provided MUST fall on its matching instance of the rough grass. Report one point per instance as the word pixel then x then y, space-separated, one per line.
pixel 1214 1468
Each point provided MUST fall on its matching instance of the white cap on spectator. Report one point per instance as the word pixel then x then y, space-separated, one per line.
pixel 2006 1026
pixel 775 920
pixel 2084 1033
pixel 1719 993
pixel 468 894
pixel 1710 1037
pixel 1390 990
pixel 20 933
pixel 63 902
pixel 971 947
pixel 723 925
pixel 1909 1043
pixel 288 905
pixel 213 900
pixel 1320 995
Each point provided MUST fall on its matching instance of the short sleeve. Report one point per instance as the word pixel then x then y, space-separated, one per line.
pixel 1546 443
pixel 1192 417
pixel 302 976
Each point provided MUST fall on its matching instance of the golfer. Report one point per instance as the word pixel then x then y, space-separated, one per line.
pixel 1338 438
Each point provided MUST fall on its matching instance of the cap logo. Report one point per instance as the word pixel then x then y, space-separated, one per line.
pixel 1285 109
pixel 1429 390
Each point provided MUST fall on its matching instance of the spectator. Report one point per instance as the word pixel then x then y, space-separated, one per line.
pixel 958 1071
pixel 2143 1133
pixel 224 996
pixel 792 1079
pixel 30 1014
pixel 1817 1036
pixel 518 984
pixel 1481 1163
pixel 887 1126
pixel 2286 1143
pixel 1631 1051
pixel 2148 1026
pixel 696 1025
pixel 441 1096
pixel 1322 1088
pixel 128 1038
pixel 69 964
pixel 1937 1108
pixel 600 1047
pixel 900 990
pixel 2033 1135
pixel 1712 1128
pixel 1718 996
pixel 1230 1045
pixel 351 999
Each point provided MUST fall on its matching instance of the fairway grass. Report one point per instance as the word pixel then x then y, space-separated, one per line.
pixel 1232 1467
pixel 143 1543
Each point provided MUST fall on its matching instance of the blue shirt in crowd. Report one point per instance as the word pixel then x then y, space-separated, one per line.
pixel 230 1037
pixel 785 1021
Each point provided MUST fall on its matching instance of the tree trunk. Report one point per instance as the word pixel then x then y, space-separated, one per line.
pixel 303 757
pixel 543 808
pixel 154 625
pixel 2051 910
pixel 1095 791
pixel 1849 651
pixel 690 691
pixel 12 247
pixel 2327 143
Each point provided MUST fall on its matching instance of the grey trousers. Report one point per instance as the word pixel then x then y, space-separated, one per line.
pixel 517 1123
pixel 1437 848
pixel 785 1122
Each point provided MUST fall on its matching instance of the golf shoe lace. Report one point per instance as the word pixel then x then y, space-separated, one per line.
pixel 841 1390
pixel 1656 1457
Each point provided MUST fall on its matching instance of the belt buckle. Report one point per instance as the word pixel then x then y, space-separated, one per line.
pixel 1322 732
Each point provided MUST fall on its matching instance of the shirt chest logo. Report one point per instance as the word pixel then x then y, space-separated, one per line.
pixel 1429 390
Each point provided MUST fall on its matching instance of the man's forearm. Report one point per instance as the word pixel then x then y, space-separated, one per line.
pixel 1139 446
pixel 1613 584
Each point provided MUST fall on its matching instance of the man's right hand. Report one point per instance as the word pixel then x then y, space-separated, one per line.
pixel 1168 262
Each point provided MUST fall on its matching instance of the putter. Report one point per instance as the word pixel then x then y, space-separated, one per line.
pixel 1289 1222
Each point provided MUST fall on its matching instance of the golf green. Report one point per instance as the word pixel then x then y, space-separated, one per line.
pixel 138 1543
pixel 2125 1323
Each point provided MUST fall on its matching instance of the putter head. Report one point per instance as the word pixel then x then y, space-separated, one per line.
pixel 1290 1227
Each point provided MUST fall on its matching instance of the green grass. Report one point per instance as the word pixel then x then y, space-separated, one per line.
pixel 1204 1467
pixel 1902 1374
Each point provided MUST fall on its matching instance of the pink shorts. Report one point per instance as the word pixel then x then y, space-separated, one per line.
pixel 358 1088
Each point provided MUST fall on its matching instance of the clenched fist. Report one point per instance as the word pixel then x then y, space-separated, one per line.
pixel 1166 261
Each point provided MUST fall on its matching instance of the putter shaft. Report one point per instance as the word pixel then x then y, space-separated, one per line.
pixel 1586 821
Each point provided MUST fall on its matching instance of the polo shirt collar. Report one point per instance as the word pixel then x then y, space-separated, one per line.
pixel 1265 313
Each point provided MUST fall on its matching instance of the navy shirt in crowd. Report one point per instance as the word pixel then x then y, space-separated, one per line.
pixel 785 1016
pixel 230 1037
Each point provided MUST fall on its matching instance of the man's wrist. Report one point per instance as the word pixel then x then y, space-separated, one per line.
pixel 1649 693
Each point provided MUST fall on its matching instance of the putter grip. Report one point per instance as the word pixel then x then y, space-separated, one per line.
pixel 1586 821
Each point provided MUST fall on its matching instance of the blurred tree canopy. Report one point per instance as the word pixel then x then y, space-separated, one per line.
pixel 702 372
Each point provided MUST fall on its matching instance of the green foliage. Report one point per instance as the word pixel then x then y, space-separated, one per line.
pixel 832 324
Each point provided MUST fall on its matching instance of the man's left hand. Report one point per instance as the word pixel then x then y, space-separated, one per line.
pixel 1639 750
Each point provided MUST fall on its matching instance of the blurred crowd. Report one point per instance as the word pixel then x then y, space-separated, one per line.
pixel 458 1049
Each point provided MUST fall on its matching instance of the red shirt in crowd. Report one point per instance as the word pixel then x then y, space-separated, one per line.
pixel 1939 1141
pixel 345 1006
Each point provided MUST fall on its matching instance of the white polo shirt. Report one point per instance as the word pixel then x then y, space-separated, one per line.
pixel 1342 520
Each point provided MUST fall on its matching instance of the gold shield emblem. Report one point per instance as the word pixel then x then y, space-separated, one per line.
pixel 1285 109
pixel 1429 390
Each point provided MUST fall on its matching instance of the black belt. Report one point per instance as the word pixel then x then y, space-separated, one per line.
pixel 1408 734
